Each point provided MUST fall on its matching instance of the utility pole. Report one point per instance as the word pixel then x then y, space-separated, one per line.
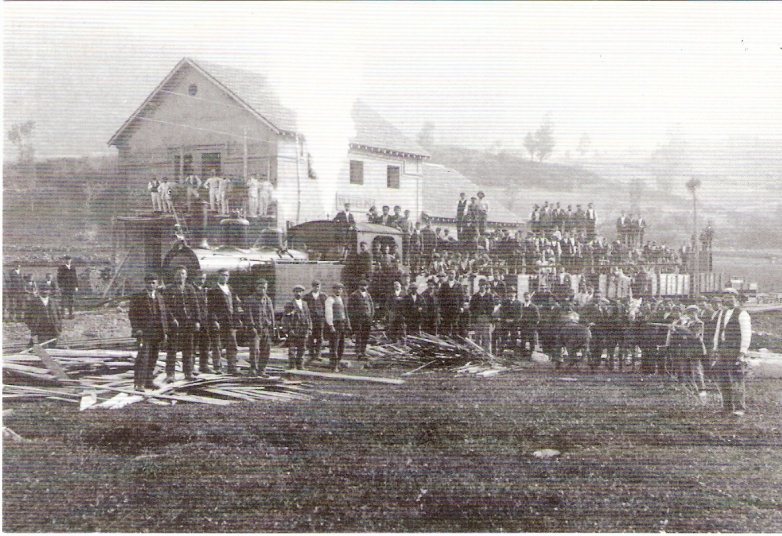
pixel 692 185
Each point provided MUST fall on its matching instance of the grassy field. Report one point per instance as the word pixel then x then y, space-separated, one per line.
pixel 440 453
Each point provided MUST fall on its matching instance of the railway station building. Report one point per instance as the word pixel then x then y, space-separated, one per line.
pixel 205 118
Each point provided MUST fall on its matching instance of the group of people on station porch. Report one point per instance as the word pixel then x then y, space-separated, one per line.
pixel 195 318
pixel 252 197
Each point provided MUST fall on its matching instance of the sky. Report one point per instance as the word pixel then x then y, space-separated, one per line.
pixel 627 74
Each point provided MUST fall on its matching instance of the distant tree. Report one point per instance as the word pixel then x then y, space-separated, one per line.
pixel 531 145
pixel 21 136
pixel 426 136
pixel 584 144
pixel 544 138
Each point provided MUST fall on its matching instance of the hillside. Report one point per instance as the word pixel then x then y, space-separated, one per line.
pixel 744 208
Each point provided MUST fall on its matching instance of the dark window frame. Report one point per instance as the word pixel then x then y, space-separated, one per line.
pixel 393 177
pixel 357 172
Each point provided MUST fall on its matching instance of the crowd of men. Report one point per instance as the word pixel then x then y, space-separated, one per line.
pixel 252 198
pixel 41 304
pixel 193 318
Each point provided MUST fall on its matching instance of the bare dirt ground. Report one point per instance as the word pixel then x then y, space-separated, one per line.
pixel 439 453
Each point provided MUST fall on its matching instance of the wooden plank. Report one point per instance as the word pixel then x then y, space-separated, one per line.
pixel 54 367
pixel 338 376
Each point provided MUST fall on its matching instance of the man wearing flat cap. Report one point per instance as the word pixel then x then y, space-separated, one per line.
pixel 730 344
pixel 298 325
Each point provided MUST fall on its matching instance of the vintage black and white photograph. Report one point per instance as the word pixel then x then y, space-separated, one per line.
pixel 375 267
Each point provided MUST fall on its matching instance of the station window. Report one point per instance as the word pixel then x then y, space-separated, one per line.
pixel 392 177
pixel 356 172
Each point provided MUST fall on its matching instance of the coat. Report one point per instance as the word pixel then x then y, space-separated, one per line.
pixel 222 309
pixel 259 312
pixel 67 279
pixel 360 308
pixel 297 320
pixel 317 306
pixel 183 306
pixel 44 320
pixel 149 317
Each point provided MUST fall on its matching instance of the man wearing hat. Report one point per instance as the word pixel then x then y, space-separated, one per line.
pixel 450 295
pixel 298 325
pixel 316 301
pixel 431 313
pixel 361 310
pixel 223 316
pixel 149 323
pixel 413 309
pixel 43 317
pixel 184 322
pixel 481 311
pixel 259 318
pixel 68 281
pixel 508 322
pixel 730 345
pixel 338 322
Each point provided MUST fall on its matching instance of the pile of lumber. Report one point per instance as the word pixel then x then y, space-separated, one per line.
pixel 429 351
pixel 104 379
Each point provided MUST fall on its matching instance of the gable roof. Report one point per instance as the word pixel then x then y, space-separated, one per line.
pixel 251 91
pixel 374 133
pixel 441 189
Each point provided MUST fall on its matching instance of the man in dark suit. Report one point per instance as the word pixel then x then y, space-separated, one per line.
pixel 201 342
pixel 530 317
pixel 730 344
pixel 184 322
pixel 259 318
pixel 223 316
pixel 68 281
pixel 15 294
pixel 149 324
pixel 44 318
pixel 395 320
pixel 361 310
pixel 316 301
pixel 450 296
pixel 431 302
pixel 481 312
pixel 413 310
pixel 297 322
pixel 345 216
